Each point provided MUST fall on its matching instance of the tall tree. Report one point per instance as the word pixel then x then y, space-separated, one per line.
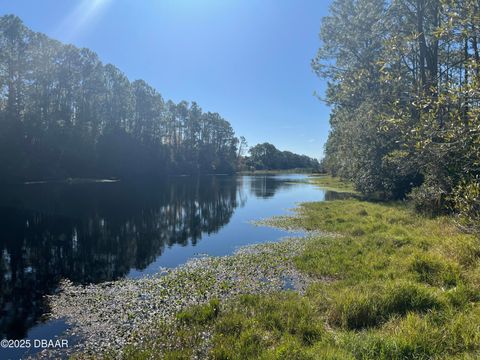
pixel 65 114
pixel 404 86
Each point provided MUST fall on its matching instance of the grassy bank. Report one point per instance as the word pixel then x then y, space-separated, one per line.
pixel 390 285
pixel 328 182
pixel 277 172
pixel 394 286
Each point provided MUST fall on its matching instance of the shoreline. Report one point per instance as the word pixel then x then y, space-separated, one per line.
pixel 111 315
pixel 101 316
pixel 369 280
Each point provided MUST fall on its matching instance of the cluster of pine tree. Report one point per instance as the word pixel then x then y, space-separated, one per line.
pixel 65 114
pixel 404 85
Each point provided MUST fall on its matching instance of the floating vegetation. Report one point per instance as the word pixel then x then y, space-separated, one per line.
pixel 391 284
pixel 112 315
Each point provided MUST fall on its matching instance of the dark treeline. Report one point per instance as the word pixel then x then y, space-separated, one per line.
pixel 65 114
pixel 404 84
pixel 267 157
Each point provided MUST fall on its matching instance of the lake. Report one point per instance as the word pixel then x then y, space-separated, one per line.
pixel 95 232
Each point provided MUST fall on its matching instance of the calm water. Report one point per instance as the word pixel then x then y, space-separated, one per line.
pixel 94 232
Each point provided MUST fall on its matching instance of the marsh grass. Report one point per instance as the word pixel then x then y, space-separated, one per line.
pixel 401 286
pixel 328 182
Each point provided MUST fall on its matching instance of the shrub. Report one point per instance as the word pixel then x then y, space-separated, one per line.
pixel 428 199
pixel 466 203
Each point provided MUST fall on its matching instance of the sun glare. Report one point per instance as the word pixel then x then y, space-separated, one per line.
pixel 82 17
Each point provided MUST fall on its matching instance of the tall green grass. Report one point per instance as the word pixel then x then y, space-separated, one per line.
pixel 391 285
pixel 332 183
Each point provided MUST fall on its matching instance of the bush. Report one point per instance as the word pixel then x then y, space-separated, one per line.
pixel 466 203
pixel 428 199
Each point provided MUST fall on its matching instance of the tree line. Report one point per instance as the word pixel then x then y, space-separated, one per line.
pixel 267 157
pixel 404 86
pixel 65 114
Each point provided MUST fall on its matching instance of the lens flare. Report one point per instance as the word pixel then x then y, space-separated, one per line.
pixel 82 16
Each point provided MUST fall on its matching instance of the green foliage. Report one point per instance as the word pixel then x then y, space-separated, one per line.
pixel 366 306
pixel 270 327
pixel 331 183
pixel 404 287
pixel 181 339
pixel 417 336
pixel 201 314
pixel 435 270
pixel 466 202
pixel 407 282
pixel 404 86
pixel 428 199
pixel 267 157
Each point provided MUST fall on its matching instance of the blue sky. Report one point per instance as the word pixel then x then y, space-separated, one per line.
pixel 248 60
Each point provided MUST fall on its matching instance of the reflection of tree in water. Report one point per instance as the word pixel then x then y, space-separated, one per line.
pixel 267 186
pixel 93 233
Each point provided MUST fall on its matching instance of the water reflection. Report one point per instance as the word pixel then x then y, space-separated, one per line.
pixel 95 232
pixel 266 186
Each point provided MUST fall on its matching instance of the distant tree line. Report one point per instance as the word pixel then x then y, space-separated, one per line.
pixel 65 114
pixel 404 85
pixel 267 157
